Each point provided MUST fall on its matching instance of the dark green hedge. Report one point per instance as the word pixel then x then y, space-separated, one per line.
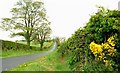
pixel 101 26
pixel 7 45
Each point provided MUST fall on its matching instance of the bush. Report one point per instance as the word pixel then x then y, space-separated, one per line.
pixel 62 49
pixel 7 45
pixel 101 26
pixel 95 66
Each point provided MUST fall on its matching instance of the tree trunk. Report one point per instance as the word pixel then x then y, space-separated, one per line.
pixel 28 43
pixel 41 44
pixel 28 39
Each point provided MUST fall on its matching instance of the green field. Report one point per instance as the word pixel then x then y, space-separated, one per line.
pixel 10 53
pixel 34 44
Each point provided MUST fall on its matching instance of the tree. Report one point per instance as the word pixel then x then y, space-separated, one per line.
pixel 42 33
pixel 57 40
pixel 26 17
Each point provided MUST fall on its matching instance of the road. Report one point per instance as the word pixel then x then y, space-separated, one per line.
pixel 9 63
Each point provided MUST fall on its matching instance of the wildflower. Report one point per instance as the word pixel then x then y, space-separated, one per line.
pixel 102 56
pixel 112 43
pixel 106 46
pixel 112 50
pixel 105 61
pixel 104 51
pixel 110 39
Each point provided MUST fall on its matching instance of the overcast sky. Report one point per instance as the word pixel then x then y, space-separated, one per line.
pixel 66 16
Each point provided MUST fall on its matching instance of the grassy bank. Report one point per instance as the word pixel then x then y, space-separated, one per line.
pixel 50 62
pixel 10 53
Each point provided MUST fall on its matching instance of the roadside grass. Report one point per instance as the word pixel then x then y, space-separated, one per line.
pixel 11 53
pixel 49 62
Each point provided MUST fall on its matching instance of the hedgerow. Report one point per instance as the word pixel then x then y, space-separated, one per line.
pixel 101 26
pixel 7 45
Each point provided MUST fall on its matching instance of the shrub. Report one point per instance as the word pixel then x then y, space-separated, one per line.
pixel 95 66
pixel 7 45
pixel 63 48
pixel 101 26
pixel 104 52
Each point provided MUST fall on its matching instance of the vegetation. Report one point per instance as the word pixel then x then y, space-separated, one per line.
pixel 103 27
pixel 50 62
pixel 58 40
pixel 27 18
pixel 104 52
pixel 11 53
pixel 10 49
pixel 95 47
pixel 43 33
pixel 7 45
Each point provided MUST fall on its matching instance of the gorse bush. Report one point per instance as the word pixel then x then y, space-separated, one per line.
pixel 104 52
pixel 95 66
pixel 101 26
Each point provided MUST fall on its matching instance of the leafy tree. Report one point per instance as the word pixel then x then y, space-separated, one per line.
pixel 26 17
pixel 57 40
pixel 42 33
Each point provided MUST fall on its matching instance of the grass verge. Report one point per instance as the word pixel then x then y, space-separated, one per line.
pixel 49 62
pixel 11 53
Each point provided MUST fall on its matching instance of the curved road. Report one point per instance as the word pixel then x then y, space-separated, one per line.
pixel 9 63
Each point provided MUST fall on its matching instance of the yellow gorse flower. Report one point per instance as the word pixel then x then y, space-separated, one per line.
pixel 103 51
pixel 106 61
pixel 102 56
pixel 111 41
pixel 106 46
pixel 95 48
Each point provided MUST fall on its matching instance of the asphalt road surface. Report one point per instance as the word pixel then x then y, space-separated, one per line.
pixel 9 63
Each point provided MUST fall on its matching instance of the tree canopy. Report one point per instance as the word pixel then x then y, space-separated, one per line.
pixel 27 16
